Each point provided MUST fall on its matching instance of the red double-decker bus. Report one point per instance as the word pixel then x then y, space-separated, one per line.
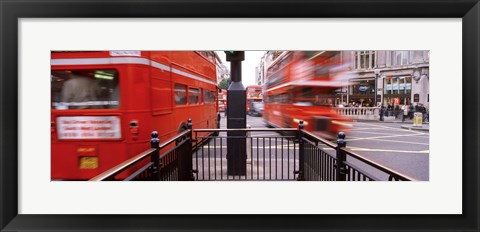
pixel 301 85
pixel 254 94
pixel 105 104
pixel 222 100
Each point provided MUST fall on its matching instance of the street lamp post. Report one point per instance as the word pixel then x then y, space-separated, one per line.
pixel 377 74
pixel 236 116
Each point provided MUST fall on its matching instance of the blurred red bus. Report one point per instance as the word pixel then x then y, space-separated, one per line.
pixel 301 85
pixel 254 94
pixel 105 104
pixel 222 99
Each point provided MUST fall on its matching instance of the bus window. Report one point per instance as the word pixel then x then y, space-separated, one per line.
pixel 180 94
pixel 209 96
pixel 210 56
pixel 193 96
pixel 84 89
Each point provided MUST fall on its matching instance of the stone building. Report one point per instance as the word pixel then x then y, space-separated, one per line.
pixel 388 77
pixel 265 61
pixel 222 70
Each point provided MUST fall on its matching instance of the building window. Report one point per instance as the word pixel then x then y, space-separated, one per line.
pixel 401 57
pixel 398 85
pixel 365 59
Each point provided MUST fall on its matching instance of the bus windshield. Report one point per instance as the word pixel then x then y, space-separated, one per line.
pixel 84 89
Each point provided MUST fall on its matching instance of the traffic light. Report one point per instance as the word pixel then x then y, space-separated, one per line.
pixel 235 55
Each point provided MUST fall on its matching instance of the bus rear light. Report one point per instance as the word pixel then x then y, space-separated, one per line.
pixel 134 127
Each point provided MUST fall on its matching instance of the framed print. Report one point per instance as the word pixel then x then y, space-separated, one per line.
pixel 446 32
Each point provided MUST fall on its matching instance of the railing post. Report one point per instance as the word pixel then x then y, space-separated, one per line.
pixel 184 156
pixel 341 171
pixel 189 152
pixel 155 156
pixel 301 152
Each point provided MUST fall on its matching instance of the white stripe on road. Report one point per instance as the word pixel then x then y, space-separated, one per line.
pixel 378 133
pixel 393 141
pixel 385 150
pixel 387 127
pixel 379 137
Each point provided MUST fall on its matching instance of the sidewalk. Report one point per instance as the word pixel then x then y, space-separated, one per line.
pixel 425 127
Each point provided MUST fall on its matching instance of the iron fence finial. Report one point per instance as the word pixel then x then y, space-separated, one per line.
pixel 189 124
pixel 341 139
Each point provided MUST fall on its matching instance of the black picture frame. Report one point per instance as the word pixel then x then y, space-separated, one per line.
pixel 11 11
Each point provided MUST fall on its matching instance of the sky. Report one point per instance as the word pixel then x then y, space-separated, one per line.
pixel 252 59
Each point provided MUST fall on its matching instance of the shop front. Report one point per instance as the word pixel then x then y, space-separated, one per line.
pixel 362 92
pixel 397 90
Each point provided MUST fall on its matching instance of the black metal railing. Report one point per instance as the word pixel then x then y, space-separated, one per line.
pixel 327 161
pixel 287 154
pixel 175 164
pixel 271 156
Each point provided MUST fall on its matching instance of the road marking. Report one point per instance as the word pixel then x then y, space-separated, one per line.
pixel 392 128
pixel 408 133
pixel 370 132
pixel 397 141
pixel 385 150
pixel 363 128
pixel 388 129
pixel 379 137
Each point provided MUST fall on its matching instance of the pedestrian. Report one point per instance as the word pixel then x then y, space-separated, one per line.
pixel 405 112
pixel 424 113
pixel 410 111
pixel 382 111
pixel 396 112
pixel 427 117
pixel 389 110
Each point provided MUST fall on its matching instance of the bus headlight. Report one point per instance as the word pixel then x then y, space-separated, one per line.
pixel 297 121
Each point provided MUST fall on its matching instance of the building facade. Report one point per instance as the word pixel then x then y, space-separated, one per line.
pixel 222 70
pixel 388 77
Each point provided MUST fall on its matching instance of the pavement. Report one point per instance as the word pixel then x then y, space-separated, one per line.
pixel 424 127
pixel 408 123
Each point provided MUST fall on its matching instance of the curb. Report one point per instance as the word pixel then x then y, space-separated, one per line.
pixel 415 128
